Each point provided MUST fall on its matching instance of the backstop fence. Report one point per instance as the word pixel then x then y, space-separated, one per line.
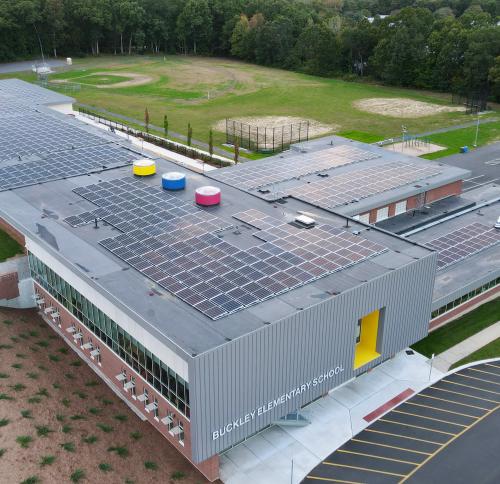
pixel 266 139
pixel 473 102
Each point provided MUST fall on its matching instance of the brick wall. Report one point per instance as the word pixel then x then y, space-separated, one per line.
pixel 464 308
pixel 13 233
pixel 9 288
pixel 111 365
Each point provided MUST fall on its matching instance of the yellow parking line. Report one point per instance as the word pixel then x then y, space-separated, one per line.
pixel 440 409
pixel 390 446
pixel 414 426
pixel 464 394
pixel 447 443
pixel 484 371
pixel 329 479
pixel 363 469
pixel 452 401
pixel 403 436
pixel 470 386
pixel 480 379
pixel 377 457
pixel 429 418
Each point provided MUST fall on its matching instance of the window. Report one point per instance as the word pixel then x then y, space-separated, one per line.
pixel 150 367
pixel 382 213
pixel 365 218
pixel 400 207
pixel 367 336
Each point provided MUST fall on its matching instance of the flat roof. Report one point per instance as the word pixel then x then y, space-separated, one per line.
pixel 45 211
pixel 338 174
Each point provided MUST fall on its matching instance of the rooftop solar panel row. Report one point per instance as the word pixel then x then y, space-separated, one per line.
pixel 463 242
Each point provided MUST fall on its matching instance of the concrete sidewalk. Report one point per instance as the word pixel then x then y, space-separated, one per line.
pixel 267 457
pixel 444 360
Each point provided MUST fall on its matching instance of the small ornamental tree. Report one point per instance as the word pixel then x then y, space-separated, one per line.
pixel 165 125
pixel 146 119
pixel 236 150
pixel 211 142
pixel 190 134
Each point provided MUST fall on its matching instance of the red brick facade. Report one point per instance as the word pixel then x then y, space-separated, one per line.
pixel 9 288
pixel 416 201
pixel 464 308
pixel 111 365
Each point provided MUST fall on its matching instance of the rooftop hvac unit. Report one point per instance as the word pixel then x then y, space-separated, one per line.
pixel 71 329
pixel 87 346
pixel 55 314
pixel 121 377
pixel 77 335
pixel 142 398
pixel 152 406
pixel 95 353
pixel 129 385
pixel 167 420
pixel 49 310
pixel 176 430
pixel 305 221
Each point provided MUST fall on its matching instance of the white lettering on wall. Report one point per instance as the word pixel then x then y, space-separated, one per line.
pixel 259 411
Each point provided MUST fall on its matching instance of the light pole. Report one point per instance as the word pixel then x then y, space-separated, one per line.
pixel 477 128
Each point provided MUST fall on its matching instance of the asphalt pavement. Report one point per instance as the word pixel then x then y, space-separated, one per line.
pixel 26 65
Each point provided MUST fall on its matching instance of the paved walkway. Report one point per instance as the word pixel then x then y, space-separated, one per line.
pixel 443 361
pixel 267 457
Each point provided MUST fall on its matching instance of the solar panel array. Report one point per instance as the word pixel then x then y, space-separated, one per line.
pixel 28 93
pixel 39 134
pixel 65 164
pixel 358 184
pixel 174 243
pixel 463 242
pixel 260 174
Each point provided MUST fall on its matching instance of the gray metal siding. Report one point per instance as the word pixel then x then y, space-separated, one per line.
pixel 251 371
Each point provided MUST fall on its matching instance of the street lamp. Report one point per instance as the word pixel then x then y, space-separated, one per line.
pixel 477 127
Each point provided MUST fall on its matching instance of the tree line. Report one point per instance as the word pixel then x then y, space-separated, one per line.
pixel 447 45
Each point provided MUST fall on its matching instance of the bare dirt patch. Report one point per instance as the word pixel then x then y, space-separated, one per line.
pixel 135 79
pixel 398 107
pixel 315 127
pixel 414 149
pixel 70 408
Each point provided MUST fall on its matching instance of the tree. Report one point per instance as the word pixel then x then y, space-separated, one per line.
pixel 189 134
pixel 146 120
pixel 494 79
pixel 165 125
pixel 236 150
pixel 194 27
pixel 211 142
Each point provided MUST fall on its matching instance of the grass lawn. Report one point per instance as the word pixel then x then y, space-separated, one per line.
pixel 202 91
pixel 491 350
pixel 8 246
pixel 453 140
pixel 453 333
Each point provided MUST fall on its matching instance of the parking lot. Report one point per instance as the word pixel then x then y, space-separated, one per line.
pixel 399 445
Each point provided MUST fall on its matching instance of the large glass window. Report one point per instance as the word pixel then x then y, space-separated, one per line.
pixel 149 366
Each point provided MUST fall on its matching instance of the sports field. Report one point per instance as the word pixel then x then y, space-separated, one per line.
pixel 204 91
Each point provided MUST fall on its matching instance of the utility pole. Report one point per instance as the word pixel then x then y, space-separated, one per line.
pixel 477 128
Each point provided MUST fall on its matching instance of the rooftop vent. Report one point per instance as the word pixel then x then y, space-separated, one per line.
pixel 305 221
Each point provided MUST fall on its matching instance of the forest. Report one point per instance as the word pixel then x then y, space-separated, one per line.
pixel 444 45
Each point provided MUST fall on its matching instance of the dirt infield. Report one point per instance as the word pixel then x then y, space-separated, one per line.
pixel 315 127
pixel 135 79
pixel 398 107
pixel 414 149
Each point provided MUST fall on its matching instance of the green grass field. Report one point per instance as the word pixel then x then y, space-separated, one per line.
pixel 8 247
pixel 491 350
pixel 455 332
pixel 454 140
pixel 202 91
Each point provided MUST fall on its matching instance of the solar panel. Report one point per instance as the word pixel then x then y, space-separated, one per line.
pixel 264 173
pixel 463 242
pixel 186 257
pixel 358 184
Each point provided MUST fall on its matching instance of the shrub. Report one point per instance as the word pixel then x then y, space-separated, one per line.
pixel 95 411
pixel 105 428
pixel 4 375
pixel 34 349
pixel 14 339
pixel 66 402
pixel 34 400
pixel 4 396
pixel 7 322
pixel 68 446
pixel 26 414
pixel 60 418
pixel 21 356
pixel 24 441
pixel 91 439
pixel 92 383
pixel 43 368
pixel 2 452
pixel 43 430
pixel 31 480
pixel 63 350
pixel 78 417
pixel 4 346
pixel 47 460
pixel 78 475
pixel 135 435
pixel 43 392
pixel 150 465
pixel 177 475
pixel 80 394
pixel 35 334
pixel 66 429
pixel 17 366
pixel 4 422
pixel 32 375
pixel 56 386
pixel 69 376
pixel 103 466
pixel 76 363
pixel 119 450
pixel 106 401
pixel 43 343
pixel 18 387
pixel 121 418
pixel 54 358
